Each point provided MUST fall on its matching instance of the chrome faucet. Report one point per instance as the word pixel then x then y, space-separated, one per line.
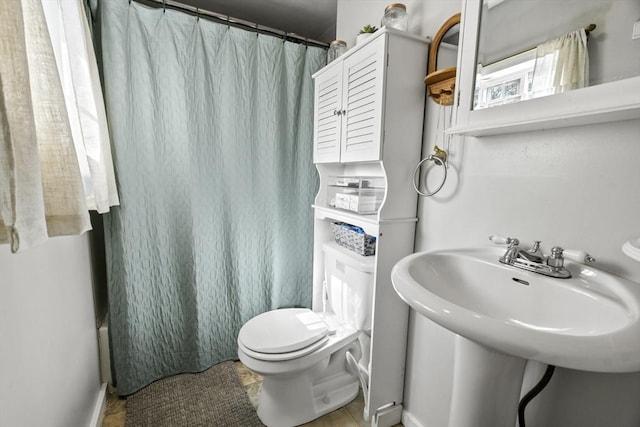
pixel 534 260
pixel 514 251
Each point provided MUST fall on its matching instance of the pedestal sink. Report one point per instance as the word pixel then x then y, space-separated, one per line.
pixel 505 316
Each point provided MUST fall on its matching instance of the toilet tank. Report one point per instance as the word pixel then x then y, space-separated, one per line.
pixel 349 285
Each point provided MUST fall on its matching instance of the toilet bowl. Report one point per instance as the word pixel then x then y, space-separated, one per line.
pixel 299 384
pixel 302 355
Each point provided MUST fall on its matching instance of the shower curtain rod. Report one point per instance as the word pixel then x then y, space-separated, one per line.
pixel 229 20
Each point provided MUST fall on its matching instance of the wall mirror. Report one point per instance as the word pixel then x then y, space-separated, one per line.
pixel 495 31
pixel 510 70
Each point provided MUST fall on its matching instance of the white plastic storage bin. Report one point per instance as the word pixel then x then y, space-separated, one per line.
pixel 349 277
pixel 361 194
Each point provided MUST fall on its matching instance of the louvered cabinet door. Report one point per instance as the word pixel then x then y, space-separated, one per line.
pixel 362 93
pixel 327 115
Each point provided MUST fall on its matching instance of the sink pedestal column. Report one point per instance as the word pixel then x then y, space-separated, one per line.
pixel 486 386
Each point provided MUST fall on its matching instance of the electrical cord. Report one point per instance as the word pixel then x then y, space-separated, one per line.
pixel 533 393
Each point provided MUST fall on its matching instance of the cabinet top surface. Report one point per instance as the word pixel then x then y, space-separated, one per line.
pixel 380 33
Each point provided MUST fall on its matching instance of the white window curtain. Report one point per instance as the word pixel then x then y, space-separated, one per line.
pixel 41 190
pixel 562 64
pixel 78 69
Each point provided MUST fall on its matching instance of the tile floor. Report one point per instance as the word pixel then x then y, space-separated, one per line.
pixel 348 416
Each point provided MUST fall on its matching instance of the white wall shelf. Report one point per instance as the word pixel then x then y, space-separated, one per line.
pixel 608 102
pixel 369 223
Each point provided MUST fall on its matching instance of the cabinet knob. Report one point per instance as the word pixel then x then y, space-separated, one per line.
pixel 337 112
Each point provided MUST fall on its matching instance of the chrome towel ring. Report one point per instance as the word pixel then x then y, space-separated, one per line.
pixel 439 157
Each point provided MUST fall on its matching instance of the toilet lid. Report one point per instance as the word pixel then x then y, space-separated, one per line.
pixel 282 331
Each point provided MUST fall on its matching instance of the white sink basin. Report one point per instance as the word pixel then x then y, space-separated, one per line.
pixel 589 322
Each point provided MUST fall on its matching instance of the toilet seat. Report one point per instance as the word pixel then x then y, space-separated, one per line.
pixel 281 357
pixel 283 334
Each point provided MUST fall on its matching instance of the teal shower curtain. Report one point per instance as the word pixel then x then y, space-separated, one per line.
pixel 212 141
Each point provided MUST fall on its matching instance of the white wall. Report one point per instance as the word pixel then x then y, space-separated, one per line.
pixel 574 187
pixel 553 186
pixel 423 15
pixel 49 372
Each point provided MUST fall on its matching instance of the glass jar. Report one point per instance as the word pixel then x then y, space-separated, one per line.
pixel 336 48
pixel 395 16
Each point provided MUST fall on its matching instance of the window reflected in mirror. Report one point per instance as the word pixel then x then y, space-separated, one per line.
pixel 505 82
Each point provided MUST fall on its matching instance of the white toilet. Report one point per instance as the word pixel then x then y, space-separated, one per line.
pixel 302 355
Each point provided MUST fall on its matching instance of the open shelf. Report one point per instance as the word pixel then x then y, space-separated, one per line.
pixel 575 108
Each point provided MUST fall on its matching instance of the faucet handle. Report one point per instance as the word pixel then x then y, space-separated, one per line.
pixel 578 256
pixel 499 240
pixel 556 259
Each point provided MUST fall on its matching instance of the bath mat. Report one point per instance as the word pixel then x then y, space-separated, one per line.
pixel 211 398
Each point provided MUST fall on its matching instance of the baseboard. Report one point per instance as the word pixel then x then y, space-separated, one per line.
pixel 98 410
pixel 409 420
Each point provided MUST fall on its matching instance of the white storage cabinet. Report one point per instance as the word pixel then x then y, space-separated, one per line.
pixel 369 110
pixel 348 102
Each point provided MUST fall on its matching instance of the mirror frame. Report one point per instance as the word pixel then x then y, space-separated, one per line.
pixel 441 83
pixel 607 102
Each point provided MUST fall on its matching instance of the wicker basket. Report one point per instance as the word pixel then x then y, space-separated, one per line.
pixel 354 238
